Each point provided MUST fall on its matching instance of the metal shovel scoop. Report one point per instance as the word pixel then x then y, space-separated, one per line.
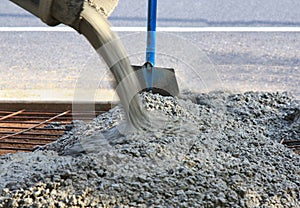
pixel 155 79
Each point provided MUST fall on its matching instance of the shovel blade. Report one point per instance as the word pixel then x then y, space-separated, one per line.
pixel 164 81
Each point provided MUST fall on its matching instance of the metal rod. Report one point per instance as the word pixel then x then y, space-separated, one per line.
pixel 11 115
pixel 53 113
pixel 29 134
pixel 16 149
pixel 23 143
pixel 291 141
pixel 44 122
pixel 33 138
pixel 37 117
pixel 43 118
pixel 39 129
pixel 294 146
pixel 29 122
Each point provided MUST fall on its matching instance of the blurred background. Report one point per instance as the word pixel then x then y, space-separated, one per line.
pixel 52 64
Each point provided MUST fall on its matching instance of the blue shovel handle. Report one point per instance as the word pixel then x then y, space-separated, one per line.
pixel 151 44
pixel 151 35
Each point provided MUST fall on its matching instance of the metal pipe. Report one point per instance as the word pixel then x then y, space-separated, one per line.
pixel 54 12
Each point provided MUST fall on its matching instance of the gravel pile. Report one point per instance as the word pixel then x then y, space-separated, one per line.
pixel 203 150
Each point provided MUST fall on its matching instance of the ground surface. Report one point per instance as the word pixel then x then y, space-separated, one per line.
pixel 52 61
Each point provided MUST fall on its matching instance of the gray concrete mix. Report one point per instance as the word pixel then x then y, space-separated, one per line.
pixel 209 150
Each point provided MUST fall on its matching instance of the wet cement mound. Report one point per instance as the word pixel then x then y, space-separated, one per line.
pixel 202 150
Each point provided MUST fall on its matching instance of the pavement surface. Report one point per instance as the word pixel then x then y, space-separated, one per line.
pixel 58 65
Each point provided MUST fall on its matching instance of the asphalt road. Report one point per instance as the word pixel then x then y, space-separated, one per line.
pixel 237 61
pixel 185 13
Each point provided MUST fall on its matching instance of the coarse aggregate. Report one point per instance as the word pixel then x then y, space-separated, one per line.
pixel 214 149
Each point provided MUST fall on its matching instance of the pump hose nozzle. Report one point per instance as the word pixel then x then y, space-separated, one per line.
pixel 45 9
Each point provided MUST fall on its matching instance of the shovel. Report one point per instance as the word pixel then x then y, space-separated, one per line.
pixel 155 79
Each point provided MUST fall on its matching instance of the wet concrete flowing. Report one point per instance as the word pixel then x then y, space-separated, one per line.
pixel 107 44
